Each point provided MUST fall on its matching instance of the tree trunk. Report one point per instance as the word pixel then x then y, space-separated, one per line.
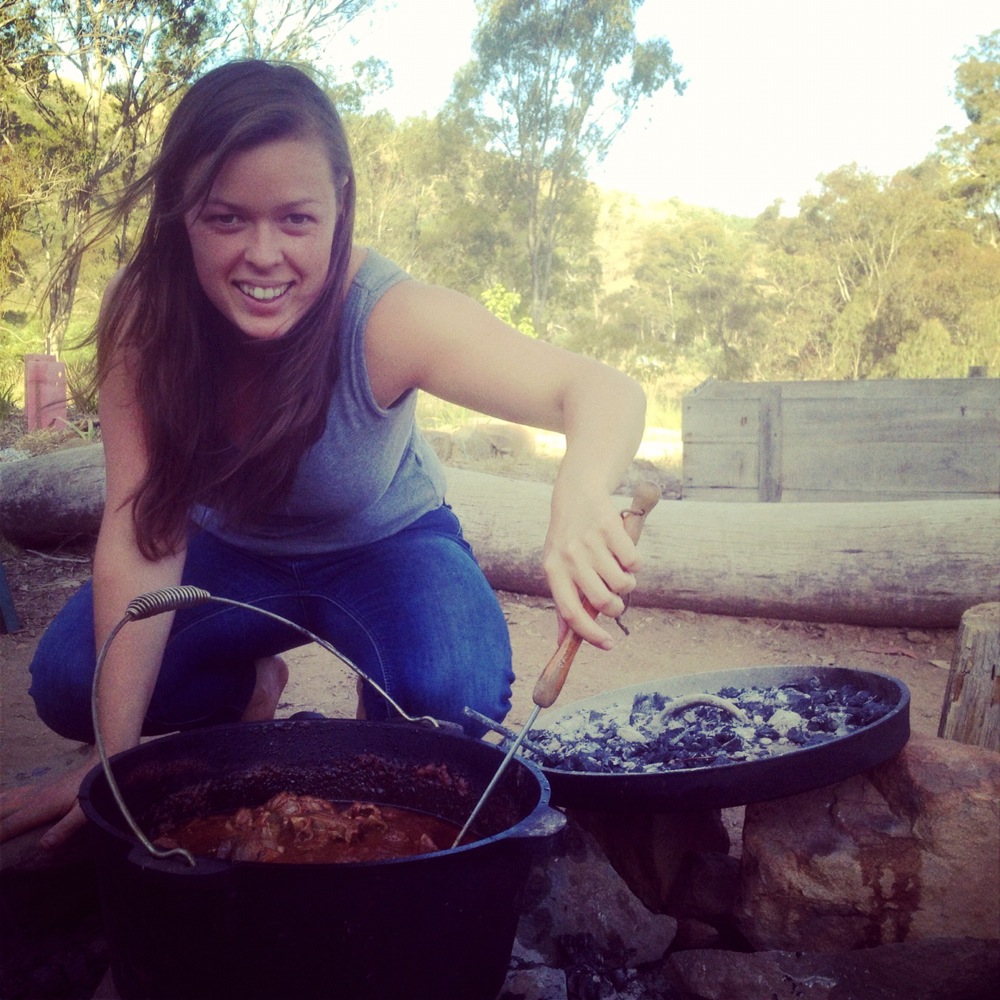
pixel 919 563
pixel 53 498
pixel 970 712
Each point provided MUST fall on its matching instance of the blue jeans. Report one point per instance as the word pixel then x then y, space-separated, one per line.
pixel 413 611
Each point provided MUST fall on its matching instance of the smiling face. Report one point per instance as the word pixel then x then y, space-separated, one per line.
pixel 261 241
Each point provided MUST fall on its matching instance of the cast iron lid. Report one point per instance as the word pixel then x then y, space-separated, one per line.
pixel 794 768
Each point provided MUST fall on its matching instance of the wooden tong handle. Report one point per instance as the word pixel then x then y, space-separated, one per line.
pixel 552 678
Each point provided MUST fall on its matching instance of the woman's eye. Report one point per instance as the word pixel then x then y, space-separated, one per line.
pixel 299 219
pixel 224 219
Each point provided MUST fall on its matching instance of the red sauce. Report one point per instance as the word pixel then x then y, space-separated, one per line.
pixel 303 829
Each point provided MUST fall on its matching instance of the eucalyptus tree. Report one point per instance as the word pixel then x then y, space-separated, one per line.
pixel 552 83
pixel 697 304
pixel 943 301
pixel 862 227
pixel 289 30
pixel 94 72
pixel 975 151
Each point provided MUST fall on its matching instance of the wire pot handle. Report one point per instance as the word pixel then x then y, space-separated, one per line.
pixel 172 599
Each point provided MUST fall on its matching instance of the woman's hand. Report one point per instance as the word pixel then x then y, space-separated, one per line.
pixel 55 798
pixel 590 558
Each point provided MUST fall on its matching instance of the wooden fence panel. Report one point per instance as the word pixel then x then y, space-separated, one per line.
pixel 879 440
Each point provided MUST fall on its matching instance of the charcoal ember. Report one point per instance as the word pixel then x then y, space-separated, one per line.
pixel 641 738
pixel 822 723
pixel 647 704
pixel 796 700
pixel 823 697
pixel 783 719
pixel 583 763
pixel 871 711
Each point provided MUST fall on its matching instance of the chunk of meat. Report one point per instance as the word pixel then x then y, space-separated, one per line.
pixel 304 828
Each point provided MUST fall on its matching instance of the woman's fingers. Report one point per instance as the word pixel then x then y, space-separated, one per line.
pixel 580 597
pixel 30 806
pixel 74 820
pixel 591 575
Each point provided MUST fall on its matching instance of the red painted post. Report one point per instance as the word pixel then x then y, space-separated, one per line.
pixel 44 391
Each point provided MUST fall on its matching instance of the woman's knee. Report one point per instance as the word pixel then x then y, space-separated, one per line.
pixel 62 670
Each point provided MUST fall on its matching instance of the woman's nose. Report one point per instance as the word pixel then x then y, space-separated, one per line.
pixel 263 247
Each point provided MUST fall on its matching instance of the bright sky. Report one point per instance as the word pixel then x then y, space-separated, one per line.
pixel 779 91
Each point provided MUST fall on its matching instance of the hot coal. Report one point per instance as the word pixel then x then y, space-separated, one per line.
pixel 647 737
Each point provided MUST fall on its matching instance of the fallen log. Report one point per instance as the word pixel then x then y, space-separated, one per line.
pixel 50 499
pixel 915 563
pixel 918 563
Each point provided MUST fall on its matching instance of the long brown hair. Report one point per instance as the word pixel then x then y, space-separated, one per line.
pixel 178 345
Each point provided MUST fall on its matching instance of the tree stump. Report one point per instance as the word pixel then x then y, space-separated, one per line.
pixel 971 709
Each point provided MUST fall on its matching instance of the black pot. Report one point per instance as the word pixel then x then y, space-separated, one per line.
pixel 440 925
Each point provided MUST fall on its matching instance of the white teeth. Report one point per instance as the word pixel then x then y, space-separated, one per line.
pixel 264 294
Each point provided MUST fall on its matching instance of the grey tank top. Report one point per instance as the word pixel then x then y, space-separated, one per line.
pixel 371 473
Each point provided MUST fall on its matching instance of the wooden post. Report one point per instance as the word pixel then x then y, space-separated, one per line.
pixel 769 437
pixel 44 391
pixel 971 709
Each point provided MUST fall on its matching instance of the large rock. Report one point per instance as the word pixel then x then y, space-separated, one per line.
pixel 940 969
pixel 651 850
pixel 578 897
pixel 908 851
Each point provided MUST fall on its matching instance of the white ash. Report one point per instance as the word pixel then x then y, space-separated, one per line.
pixel 645 736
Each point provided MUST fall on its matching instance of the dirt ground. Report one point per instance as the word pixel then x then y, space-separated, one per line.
pixel 660 644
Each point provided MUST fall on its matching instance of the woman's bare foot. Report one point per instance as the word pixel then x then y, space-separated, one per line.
pixel 272 676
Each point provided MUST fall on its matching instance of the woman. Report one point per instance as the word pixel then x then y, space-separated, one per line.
pixel 258 377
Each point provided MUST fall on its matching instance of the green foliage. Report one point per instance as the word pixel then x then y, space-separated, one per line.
pixel 504 304
pixel 81 385
pixel 929 353
pixel 552 83
pixel 663 403
pixel 86 428
pixel 975 152
pixel 89 85
pixel 874 276
pixel 9 389
pixel 19 335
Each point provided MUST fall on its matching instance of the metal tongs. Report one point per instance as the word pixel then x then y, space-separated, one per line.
pixel 554 675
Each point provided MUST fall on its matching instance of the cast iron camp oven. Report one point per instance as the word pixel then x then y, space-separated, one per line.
pixel 881 718
pixel 439 925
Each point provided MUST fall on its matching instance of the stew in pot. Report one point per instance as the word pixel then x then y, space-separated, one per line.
pixel 304 829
